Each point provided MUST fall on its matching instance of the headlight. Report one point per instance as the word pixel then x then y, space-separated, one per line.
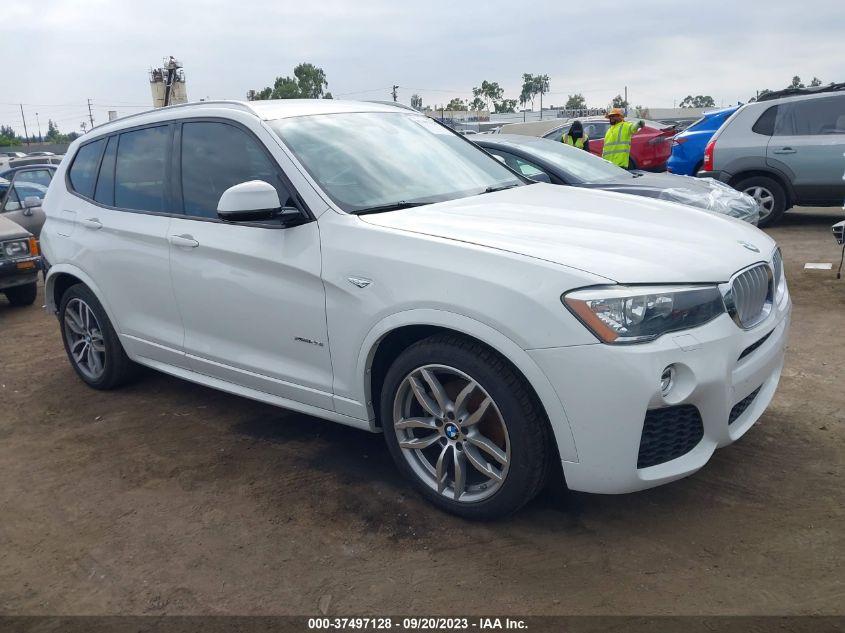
pixel 779 276
pixel 637 314
pixel 16 248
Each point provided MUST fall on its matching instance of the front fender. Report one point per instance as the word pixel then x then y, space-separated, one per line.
pixel 465 325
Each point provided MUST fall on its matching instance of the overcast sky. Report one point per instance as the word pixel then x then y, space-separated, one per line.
pixel 59 53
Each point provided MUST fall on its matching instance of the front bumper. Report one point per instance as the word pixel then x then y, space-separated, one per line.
pixel 719 174
pixel 20 271
pixel 607 390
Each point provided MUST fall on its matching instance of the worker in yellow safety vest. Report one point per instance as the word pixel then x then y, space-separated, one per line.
pixel 617 140
pixel 576 137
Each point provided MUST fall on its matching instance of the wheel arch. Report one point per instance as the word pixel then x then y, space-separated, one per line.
pixel 765 173
pixel 63 276
pixel 396 333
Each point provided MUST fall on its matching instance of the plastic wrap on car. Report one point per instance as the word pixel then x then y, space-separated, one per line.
pixel 716 198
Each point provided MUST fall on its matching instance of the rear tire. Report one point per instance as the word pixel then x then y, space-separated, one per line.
pixel 91 343
pixel 22 295
pixel 490 482
pixel 769 193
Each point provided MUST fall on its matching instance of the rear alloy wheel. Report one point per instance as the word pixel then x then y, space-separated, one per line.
pixel 91 343
pixel 769 195
pixel 464 427
pixel 84 337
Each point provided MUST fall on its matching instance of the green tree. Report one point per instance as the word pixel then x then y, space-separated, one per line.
pixel 456 105
pixel 477 104
pixel 533 85
pixel 815 82
pixel 312 81
pixel 619 102
pixel 53 134
pixel 308 82
pixel 505 105
pixel 416 102
pixel 699 101
pixel 576 102
pixel 796 82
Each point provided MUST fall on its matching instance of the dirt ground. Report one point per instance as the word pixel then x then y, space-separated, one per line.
pixel 167 497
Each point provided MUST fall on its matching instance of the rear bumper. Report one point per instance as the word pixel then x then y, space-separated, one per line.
pixel 608 390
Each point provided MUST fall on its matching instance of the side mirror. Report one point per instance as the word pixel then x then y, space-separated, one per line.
pixel 541 177
pixel 251 201
pixel 30 202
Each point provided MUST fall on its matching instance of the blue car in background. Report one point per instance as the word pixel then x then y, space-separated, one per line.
pixel 688 146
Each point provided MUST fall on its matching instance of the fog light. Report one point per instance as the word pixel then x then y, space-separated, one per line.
pixel 667 380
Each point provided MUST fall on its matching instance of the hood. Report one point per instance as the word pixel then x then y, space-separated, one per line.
pixel 622 238
pixel 10 230
pixel 648 184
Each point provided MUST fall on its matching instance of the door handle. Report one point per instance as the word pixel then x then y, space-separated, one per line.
pixel 785 150
pixel 91 223
pixel 183 240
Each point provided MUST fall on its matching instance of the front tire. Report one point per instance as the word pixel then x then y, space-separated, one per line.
pixel 769 194
pixel 465 428
pixel 22 295
pixel 92 345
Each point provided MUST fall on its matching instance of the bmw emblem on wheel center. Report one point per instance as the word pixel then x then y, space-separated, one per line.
pixel 451 431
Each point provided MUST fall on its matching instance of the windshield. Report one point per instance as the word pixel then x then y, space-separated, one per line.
pixel 585 167
pixel 367 160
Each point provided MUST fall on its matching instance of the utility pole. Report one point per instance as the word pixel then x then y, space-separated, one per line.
pixel 90 116
pixel 395 88
pixel 626 100
pixel 25 133
pixel 38 123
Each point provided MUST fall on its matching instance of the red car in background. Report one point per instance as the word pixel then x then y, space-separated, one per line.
pixel 650 147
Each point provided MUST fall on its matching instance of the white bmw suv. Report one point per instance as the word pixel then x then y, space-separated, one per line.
pixel 362 263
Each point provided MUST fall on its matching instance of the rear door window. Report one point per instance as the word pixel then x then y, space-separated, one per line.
pixel 139 174
pixel 811 117
pixel 83 172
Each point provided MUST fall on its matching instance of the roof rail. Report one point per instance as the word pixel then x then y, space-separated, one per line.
pixel 240 105
pixel 794 92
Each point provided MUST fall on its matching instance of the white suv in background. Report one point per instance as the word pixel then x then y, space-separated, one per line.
pixel 364 264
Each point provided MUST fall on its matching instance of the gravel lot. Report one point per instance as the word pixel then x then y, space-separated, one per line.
pixel 167 497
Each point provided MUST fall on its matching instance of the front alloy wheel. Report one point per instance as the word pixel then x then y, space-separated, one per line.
pixel 451 433
pixel 465 427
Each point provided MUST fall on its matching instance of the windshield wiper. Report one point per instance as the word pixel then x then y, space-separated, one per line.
pixel 493 189
pixel 393 206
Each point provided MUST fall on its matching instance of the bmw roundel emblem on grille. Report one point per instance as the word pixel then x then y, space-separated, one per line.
pixel 749 246
pixel 451 431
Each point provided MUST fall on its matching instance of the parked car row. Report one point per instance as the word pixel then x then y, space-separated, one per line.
pixel 785 149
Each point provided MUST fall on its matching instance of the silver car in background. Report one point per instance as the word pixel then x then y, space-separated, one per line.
pixel 783 151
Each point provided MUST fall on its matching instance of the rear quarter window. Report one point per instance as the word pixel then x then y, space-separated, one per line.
pixel 766 123
pixel 83 171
